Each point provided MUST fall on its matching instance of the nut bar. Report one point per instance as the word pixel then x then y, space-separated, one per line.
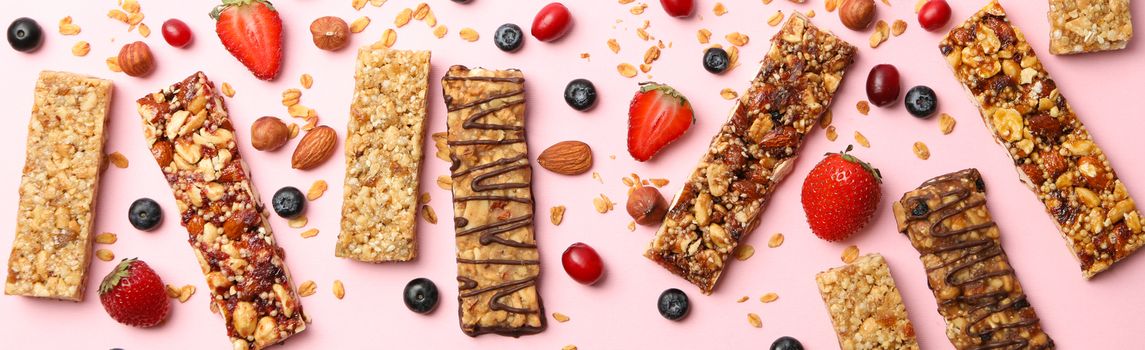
pixel 497 258
pixel 722 199
pixel 1055 155
pixel 383 156
pixel 959 244
pixel 52 248
pixel 191 136
pixel 865 306
pixel 1081 26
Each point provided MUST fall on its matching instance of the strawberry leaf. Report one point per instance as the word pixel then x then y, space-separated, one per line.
pixel 120 272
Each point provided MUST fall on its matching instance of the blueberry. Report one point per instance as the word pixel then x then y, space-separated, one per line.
pixel 145 214
pixel 288 202
pixel 25 35
pixel 509 37
pixel 673 304
pixel 421 295
pixel 786 343
pixel 716 60
pixel 580 94
pixel 921 102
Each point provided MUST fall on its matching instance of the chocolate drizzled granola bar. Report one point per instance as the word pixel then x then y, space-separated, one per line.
pixel 865 306
pixel 52 248
pixel 977 291
pixel 384 155
pixel 722 199
pixel 190 134
pixel 1080 26
pixel 497 259
pixel 1055 155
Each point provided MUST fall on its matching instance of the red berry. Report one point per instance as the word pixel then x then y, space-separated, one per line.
pixel 134 295
pixel 176 33
pixel 840 196
pixel 678 8
pixel 552 22
pixel 657 116
pixel 934 14
pixel 582 263
pixel 883 85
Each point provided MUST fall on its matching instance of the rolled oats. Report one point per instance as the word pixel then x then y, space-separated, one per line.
pixel 445 182
pixel 898 27
pixel 306 81
pixel 743 252
pixel 428 214
pixel 307 288
pixel 769 298
pixel 602 204
pixel 316 190
pixel 946 123
pixel 921 151
pixel 719 9
pixel 118 160
pixel 626 70
pixel 862 140
pixel 737 38
pixel 339 289
pixel 775 241
pixel 106 238
pixel 468 34
pixel 440 30
pixel 291 97
pixel 403 17
pixel 728 94
pixel 560 317
pixel 360 24
pixel 831 133
pixel 703 36
pixel 754 320
pixel 775 19
pixel 638 9
pixel 742 299
pixel 185 293
pixel 105 255
pixel 67 27
pixel 298 222
pixel 631 226
pixel 557 215
pixel 309 233
pixel 863 106
pixel 849 254
pixel 81 48
pixel 389 37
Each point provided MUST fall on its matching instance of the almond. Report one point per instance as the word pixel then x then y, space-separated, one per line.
pixel 1045 126
pixel 780 138
pixel 567 158
pixel 314 148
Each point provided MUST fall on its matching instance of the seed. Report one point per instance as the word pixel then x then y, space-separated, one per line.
pixel 775 241
pixel 106 238
pixel 863 106
pixel 298 222
pixel 850 254
pixel 613 45
pixel 440 31
pixel 360 24
pixel 557 214
pixel 921 150
pixel 719 9
pixel 307 288
pixel 754 320
pixel 946 123
pixel 899 27
pixel 316 190
pixel 403 17
pixel 309 233
pixel 469 34
pixel 228 90
pixel 81 49
pixel 704 36
pixel 339 289
pixel 118 160
pixel 429 215
pixel 306 81
pixel 560 317
pixel 775 19
pixel 743 252
pixel 769 297
pixel 737 38
pixel 626 70
pixel 862 140
pixel 105 255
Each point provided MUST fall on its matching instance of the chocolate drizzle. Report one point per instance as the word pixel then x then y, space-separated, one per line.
pixel 486 179
pixel 966 253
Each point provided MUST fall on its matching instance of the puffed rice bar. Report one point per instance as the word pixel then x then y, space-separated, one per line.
pixel 865 306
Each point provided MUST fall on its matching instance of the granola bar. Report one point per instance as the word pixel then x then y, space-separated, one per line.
pixel 497 259
pixel 1055 155
pixel 52 248
pixel 722 199
pixel 959 244
pixel 865 306
pixel 383 156
pixel 1081 26
pixel 190 134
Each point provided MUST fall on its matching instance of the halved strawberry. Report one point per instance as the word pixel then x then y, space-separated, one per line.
pixel 134 295
pixel 657 116
pixel 252 31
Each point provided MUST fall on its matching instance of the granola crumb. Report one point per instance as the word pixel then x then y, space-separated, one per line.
pixel 228 90
pixel 105 255
pixel 921 151
pixel 562 318
pixel 309 233
pixel 704 36
pixel 626 70
pixel 775 241
pixel 775 19
pixel 768 298
pixel 613 45
pixel 863 106
pixel 831 133
pixel 106 238
pixel 306 80
pixel 81 48
pixel 118 160
pixel 743 252
pixel 602 204
pixel 899 27
pixel 185 293
pixel 557 215
pixel 946 123
pixel 428 214
pixel 862 140
pixel 445 182
pixel 359 25
pixel 719 9
pixel 307 288
pixel 468 34
pixel 754 320
pixel 742 299
pixel 728 94
pixel 850 254
pixel 316 190
pixel 298 222
pixel 339 289
pixel 632 226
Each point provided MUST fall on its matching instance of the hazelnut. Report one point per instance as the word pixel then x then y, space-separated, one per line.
pixel 330 33
pixel 268 134
pixel 647 206
pixel 857 14
pixel 135 59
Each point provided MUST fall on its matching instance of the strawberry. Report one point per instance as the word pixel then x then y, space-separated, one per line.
pixel 657 116
pixel 252 31
pixel 134 295
pixel 840 195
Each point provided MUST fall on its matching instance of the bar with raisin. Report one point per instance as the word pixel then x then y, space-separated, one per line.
pixel 497 260
pixel 52 248
pixel 384 155
pixel 976 288
pixel 865 305
pixel 1054 153
pixel 190 134
pixel 721 201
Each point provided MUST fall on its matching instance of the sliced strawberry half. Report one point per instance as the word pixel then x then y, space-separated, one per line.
pixel 252 31
pixel 657 116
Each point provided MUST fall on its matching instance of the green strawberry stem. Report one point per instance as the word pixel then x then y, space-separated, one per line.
pixel 846 155
pixel 236 3
pixel 120 272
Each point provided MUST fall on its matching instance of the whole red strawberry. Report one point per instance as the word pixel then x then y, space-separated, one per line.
pixel 134 295
pixel 252 31
pixel 840 195
pixel 657 116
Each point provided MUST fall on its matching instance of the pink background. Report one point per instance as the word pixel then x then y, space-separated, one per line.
pixel 620 311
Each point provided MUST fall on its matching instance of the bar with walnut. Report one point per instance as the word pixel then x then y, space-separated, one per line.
pixel 384 155
pixel 721 201
pixel 190 134
pixel 52 246
pixel 865 305
pixel 976 288
pixel 497 259
pixel 1054 153
pixel 1082 26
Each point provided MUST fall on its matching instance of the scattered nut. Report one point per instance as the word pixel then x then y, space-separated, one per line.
pixel 775 241
pixel 557 215
pixel 567 158
pixel 921 150
pixel 857 14
pixel 268 134
pixel 743 252
pixel 647 206
pixel 135 59
pixel 330 33
pixel 316 190
pixel 314 148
